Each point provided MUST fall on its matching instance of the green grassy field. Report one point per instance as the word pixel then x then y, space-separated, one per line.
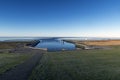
pixel 79 65
pixel 10 60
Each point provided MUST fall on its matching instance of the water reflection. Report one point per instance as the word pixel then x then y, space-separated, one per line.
pixel 55 45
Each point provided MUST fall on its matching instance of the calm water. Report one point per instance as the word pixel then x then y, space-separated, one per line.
pixel 55 45
pixel 16 38
pixel 52 44
pixel 32 38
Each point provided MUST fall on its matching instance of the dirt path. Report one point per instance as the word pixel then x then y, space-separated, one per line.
pixel 22 71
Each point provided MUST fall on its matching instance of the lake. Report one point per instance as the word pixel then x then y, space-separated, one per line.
pixel 55 45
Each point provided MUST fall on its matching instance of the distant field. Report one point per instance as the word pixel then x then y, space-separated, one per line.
pixel 10 60
pixel 11 45
pixel 79 65
pixel 100 43
pixel 17 44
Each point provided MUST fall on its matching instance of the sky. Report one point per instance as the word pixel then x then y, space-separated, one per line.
pixel 60 18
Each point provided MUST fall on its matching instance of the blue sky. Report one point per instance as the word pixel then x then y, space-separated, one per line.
pixel 76 18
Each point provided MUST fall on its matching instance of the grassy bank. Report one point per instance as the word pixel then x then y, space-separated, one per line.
pixel 96 42
pixel 79 65
pixel 10 60
pixel 18 44
pixel 77 45
pixel 102 42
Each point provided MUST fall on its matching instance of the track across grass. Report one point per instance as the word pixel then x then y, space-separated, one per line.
pixel 79 65
pixel 10 60
pixel 23 70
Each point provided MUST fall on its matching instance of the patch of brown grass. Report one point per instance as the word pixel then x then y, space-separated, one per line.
pixel 100 42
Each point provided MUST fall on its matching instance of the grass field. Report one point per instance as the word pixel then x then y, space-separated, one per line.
pixel 10 60
pixel 79 65
pixel 99 42
pixel 18 44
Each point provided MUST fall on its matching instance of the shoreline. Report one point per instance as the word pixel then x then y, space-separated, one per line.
pixel 94 44
pixel 19 46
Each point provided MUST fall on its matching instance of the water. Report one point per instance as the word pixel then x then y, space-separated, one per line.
pixel 55 45
pixel 64 38
pixel 16 38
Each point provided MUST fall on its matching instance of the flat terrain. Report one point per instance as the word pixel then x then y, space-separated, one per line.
pixel 23 70
pixel 79 65
pixel 17 59
pixel 17 44
pixel 99 42
pixel 10 60
pixel 21 63
pixel 11 45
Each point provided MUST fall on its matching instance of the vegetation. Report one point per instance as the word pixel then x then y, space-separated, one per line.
pixel 10 60
pixel 18 44
pixel 79 65
pixel 80 46
pixel 99 42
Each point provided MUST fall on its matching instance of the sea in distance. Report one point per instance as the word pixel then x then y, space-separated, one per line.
pixel 52 43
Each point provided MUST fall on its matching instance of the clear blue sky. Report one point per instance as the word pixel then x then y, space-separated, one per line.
pixel 89 18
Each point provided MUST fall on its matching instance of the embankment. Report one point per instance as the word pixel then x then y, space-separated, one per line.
pixel 18 47
pixel 95 44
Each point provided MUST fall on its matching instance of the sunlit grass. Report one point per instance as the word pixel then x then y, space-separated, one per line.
pixel 10 60
pixel 79 65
